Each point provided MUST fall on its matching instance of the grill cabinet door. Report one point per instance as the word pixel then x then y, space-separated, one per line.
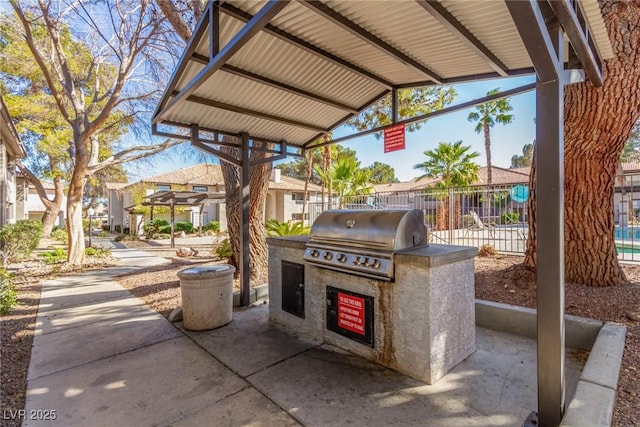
pixel 293 288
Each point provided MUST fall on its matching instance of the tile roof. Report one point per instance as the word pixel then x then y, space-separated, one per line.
pixel 503 176
pixel 202 174
pixel 115 185
pixel 632 163
pixel 499 176
pixel 207 174
pixel 293 184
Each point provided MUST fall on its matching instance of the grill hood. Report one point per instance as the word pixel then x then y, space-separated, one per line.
pixel 380 230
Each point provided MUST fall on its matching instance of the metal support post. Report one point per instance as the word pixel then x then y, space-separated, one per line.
pixel 550 241
pixel 173 221
pixel 243 194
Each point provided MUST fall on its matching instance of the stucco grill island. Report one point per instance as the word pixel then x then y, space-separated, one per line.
pixel 367 281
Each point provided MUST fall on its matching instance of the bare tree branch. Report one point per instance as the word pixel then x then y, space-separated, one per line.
pixel 127 156
pixel 33 180
pixel 173 15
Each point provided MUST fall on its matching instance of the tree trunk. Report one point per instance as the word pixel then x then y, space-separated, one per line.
pixel 487 149
pixel 52 208
pixel 307 179
pixel 598 122
pixel 75 230
pixel 442 214
pixel 258 186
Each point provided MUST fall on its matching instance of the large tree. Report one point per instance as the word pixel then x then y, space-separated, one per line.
pixel 485 117
pixel 525 159
pixel 411 103
pixel 127 45
pixel 381 173
pixel 597 123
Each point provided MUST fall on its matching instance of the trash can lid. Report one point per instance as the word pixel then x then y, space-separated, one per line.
pixel 207 270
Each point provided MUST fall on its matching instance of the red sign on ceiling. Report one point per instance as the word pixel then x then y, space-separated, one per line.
pixel 351 313
pixel 394 138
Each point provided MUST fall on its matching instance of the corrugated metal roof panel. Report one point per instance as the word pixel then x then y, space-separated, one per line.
pixel 598 29
pixel 491 23
pixel 209 117
pixel 255 96
pixel 425 40
pixel 267 55
pixel 304 23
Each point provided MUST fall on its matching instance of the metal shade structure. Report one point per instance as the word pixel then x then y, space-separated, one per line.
pixel 180 198
pixel 273 76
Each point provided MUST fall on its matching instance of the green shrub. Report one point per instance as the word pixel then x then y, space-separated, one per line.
pixel 97 252
pixel 117 229
pixel 8 294
pixel 165 230
pixel 120 237
pixel 224 251
pixel 510 217
pixel 19 239
pixel 187 227
pixel 60 235
pixel 54 256
pixel 152 228
pixel 212 226
pixel 97 223
pixel 277 228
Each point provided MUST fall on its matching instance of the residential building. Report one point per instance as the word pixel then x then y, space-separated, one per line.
pixel 30 206
pixel 11 149
pixel 283 200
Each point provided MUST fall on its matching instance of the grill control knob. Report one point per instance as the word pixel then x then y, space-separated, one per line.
pixel 328 255
pixel 342 257
pixel 376 264
pixel 365 262
pixel 356 260
pixel 315 253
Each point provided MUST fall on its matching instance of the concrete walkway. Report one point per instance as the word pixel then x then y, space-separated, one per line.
pixel 102 358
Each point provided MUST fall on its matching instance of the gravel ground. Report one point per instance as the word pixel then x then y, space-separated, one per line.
pixel 498 278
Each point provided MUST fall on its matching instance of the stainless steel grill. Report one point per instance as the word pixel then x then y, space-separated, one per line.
pixel 363 242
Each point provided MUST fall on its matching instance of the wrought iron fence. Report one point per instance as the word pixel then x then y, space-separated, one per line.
pixel 626 214
pixel 492 215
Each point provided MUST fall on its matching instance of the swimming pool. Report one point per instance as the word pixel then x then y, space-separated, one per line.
pixel 630 232
pixel 628 250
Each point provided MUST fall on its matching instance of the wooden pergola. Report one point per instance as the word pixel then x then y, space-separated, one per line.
pixel 274 76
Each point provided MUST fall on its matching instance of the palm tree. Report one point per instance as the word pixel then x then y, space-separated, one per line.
pixel 486 116
pixel 454 165
pixel 347 178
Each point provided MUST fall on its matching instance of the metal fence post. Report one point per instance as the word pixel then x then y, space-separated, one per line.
pixel 452 215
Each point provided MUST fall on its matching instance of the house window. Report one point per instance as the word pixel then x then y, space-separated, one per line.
pixel 297 197
pixel 298 216
pixel 163 188
pixel 200 188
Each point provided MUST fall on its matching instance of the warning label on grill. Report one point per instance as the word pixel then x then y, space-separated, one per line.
pixel 351 313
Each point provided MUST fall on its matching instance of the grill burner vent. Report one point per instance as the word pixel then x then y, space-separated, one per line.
pixel 363 242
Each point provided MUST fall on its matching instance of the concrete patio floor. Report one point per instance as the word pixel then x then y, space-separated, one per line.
pixel 102 358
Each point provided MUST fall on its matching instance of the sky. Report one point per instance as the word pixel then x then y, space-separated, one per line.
pixel 506 140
